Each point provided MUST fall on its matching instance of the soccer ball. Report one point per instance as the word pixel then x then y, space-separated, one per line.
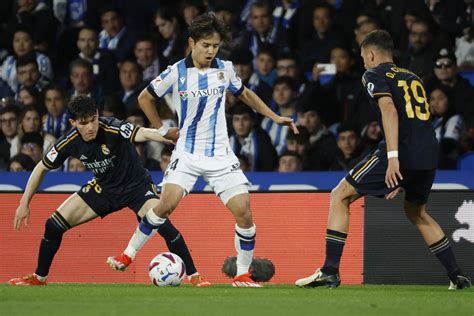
pixel 166 269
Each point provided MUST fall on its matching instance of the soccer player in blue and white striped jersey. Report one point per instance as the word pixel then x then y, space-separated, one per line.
pixel 197 86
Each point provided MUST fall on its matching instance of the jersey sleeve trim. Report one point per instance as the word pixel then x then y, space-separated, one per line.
pixel 152 92
pixel 239 92
pixel 381 94
pixel 47 164
pixel 67 140
pixel 134 133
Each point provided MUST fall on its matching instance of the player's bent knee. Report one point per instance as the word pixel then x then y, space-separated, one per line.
pixel 55 226
pixel 228 194
pixel 414 212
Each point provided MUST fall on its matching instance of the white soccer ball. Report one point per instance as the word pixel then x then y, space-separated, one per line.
pixel 166 269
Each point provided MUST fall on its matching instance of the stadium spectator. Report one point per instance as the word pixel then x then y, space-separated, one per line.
pixel 324 38
pixel 56 119
pixel 289 161
pixel 149 163
pixel 104 63
pixel 420 53
pixel 350 150
pixel 30 96
pixel 285 26
pixel 21 162
pixel 9 127
pixel 228 12
pixel 165 158
pixel 112 106
pixel 243 63
pixel 265 64
pixel 250 141
pixel 451 16
pixel 75 165
pixel 448 127
pixel 171 41
pixel 28 75
pixel 30 122
pixel 298 143
pixel 23 46
pixel 465 50
pixel 371 135
pixel 32 145
pixel 114 35
pixel 147 58
pixel 131 84
pixel 259 31
pixel 36 16
pixel 287 64
pixel 5 91
pixel 284 97
pixel 322 148
pixel 191 9
pixel 446 74
pixel 81 76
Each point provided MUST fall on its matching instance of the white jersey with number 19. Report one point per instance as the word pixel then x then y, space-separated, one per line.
pixel 199 99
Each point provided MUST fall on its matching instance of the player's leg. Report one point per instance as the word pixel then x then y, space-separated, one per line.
pixel 72 212
pixel 337 228
pixel 237 201
pixel 437 242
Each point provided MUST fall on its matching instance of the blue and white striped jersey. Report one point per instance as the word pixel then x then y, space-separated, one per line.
pixel 199 99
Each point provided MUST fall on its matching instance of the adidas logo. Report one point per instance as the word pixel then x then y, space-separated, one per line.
pixel 82 157
pixel 149 193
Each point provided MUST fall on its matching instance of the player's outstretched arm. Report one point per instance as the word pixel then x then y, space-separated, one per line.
pixel 390 127
pixel 147 134
pixel 251 99
pixel 23 210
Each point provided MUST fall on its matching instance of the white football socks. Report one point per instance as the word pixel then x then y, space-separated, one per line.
pixel 244 244
pixel 145 230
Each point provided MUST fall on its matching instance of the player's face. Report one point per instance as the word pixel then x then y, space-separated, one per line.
pixel 87 127
pixel 282 94
pixel 438 102
pixel 368 57
pixel 22 43
pixel 242 124
pixel 31 122
pixel 54 102
pixel 87 42
pixel 205 49
pixel 347 142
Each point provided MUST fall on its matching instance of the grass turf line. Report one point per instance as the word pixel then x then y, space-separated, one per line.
pixel 140 299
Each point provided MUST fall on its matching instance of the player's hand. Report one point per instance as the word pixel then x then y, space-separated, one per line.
pixel 288 121
pixel 392 194
pixel 22 213
pixel 173 134
pixel 393 174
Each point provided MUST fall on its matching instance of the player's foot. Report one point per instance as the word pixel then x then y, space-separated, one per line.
pixel 30 279
pixel 244 280
pixel 198 280
pixel 119 263
pixel 319 278
pixel 461 282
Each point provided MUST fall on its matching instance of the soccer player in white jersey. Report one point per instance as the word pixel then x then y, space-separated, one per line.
pixel 197 86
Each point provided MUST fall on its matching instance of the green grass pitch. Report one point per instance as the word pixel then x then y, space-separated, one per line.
pixel 141 299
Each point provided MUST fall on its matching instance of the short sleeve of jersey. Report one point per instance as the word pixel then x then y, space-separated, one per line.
pixel 375 84
pixel 125 131
pixel 59 152
pixel 235 83
pixel 163 84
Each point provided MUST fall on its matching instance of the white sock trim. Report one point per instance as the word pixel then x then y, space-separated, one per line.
pixel 153 218
pixel 247 232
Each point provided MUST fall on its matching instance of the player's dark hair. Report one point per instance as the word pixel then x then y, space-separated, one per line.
pixel 380 39
pixel 81 107
pixel 207 24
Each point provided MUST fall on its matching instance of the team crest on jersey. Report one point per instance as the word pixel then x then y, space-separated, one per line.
pixel 183 94
pixel 52 154
pixel 220 76
pixel 105 150
pixel 370 88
